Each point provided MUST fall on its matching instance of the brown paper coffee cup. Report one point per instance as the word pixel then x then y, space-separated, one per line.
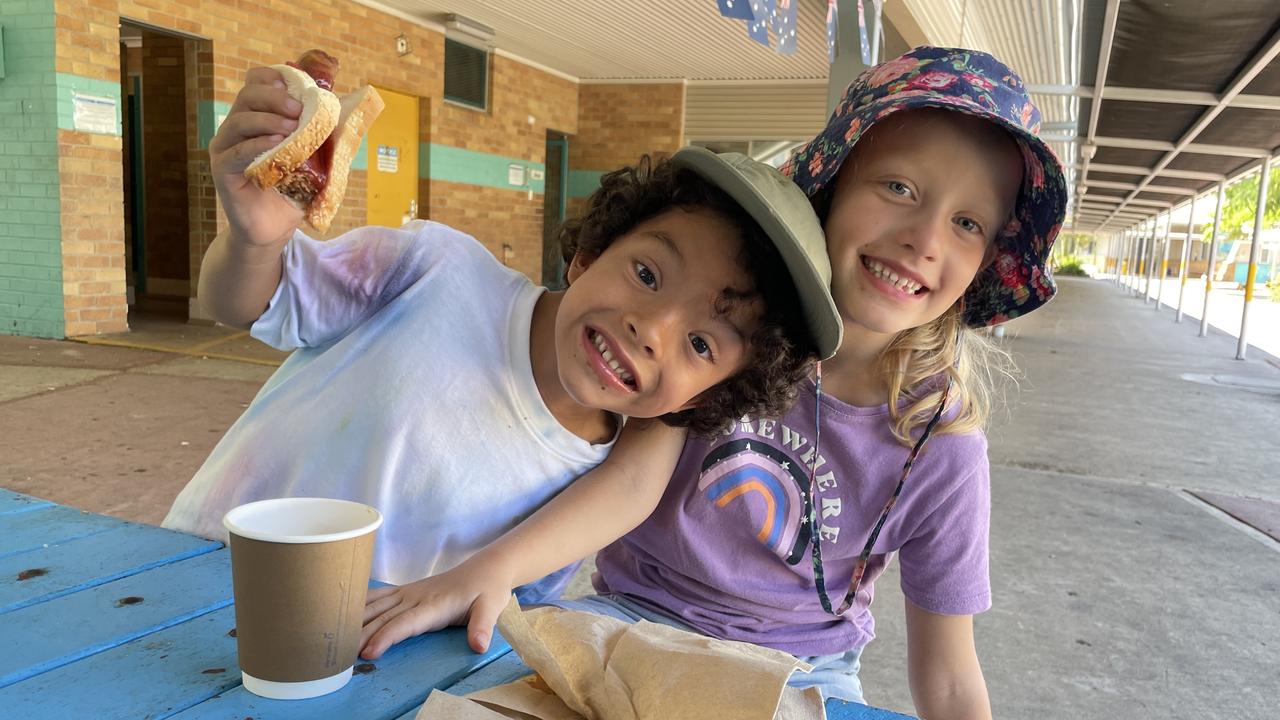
pixel 300 571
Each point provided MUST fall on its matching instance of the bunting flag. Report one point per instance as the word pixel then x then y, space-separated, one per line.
pixel 784 25
pixel 758 29
pixel 862 36
pixel 749 10
pixel 831 31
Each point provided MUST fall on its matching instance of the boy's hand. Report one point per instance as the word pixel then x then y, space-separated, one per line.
pixel 472 593
pixel 261 117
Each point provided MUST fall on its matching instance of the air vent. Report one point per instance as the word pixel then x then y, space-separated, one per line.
pixel 466 74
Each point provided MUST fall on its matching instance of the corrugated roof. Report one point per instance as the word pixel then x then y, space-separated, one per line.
pixel 1167 125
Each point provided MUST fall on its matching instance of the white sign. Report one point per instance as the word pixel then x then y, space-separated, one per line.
pixel 515 175
pixel 388 158
pixel 94 114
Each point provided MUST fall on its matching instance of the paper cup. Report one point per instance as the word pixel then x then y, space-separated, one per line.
pixel 300 571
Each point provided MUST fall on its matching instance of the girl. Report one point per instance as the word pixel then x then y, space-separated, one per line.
pixel 940 205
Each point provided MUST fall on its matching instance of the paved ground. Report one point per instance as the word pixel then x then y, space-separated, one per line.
pixel 1118 592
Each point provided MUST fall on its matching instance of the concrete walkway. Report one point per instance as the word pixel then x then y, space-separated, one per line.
pixel 1118 592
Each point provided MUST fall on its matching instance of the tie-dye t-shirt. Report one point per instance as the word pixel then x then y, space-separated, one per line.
pixel 728 550
pixel 410 389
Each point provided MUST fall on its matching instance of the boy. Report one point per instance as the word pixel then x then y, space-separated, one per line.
pixel 453 395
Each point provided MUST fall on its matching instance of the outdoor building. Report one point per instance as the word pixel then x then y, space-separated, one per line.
pixel 1120 502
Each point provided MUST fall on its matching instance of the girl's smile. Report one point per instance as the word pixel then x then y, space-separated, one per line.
pixel 894 280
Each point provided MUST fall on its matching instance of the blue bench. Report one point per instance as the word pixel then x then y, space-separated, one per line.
pixel 104 618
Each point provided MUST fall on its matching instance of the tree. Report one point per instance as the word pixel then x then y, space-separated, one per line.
pixel 1240 208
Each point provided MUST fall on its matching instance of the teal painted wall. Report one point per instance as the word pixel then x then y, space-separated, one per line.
pixel 30 225
pixel 451 164
pixel 583 182
pixel 68 85
pixel 207 114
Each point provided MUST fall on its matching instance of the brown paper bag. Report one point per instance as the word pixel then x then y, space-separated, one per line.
pixel 592 667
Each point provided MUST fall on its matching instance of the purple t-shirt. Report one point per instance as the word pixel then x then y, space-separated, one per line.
pixel 728 552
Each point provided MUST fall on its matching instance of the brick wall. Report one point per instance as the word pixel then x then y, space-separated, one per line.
pixel 615 125
pixel 30 254
pixel 202 202
pixel 87 59
pixel 242 36
pixel 496 218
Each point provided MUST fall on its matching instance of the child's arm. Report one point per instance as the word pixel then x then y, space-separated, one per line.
pixel 242 268
pixel 598 508
pixel 942 666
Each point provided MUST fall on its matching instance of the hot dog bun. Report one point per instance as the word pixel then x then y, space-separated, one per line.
pixel 359 110
pixel 318 186
pixel 320 112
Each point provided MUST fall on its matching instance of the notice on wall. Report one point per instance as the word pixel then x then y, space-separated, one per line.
pixel 515 175
pixel 93 114
pixel 388 158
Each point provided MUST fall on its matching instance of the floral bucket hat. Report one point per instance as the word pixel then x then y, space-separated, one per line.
pixel 1018 280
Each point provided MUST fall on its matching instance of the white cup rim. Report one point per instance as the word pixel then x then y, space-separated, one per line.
pixel 240 520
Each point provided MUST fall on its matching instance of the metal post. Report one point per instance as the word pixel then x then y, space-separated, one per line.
pixel 1151 264
pixel 1164 260
pixel 1132 274
pixel 1255 248
pixel 1140 248
pixel 1151 261
pixel 1122 264
pixel 1124 258
pixel 1185 258
pixel 1212 243
pixel 1135 245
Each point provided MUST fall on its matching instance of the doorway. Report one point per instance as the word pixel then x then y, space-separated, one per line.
pixel 392 187
pixel 156 139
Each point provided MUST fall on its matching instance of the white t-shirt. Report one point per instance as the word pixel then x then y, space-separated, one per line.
pixel 411 390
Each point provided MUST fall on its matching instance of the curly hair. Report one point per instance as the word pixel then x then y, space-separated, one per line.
pixel 780 349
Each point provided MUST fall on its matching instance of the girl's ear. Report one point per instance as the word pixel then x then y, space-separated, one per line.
pixel 581 261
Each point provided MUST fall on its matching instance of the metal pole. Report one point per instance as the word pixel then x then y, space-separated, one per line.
pixel 1129 252
pixel 1185 258
pixel 1164 261
pixel 1134 247
pixel 1134 275
pixel 1255 248
pixel 1151 265
pixel 1119 247
pixel 1212 242
pixel 1123 259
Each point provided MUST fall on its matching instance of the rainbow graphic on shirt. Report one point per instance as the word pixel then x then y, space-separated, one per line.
pixel 771 488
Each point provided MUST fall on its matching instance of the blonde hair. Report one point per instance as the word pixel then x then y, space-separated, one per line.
pixel 917 358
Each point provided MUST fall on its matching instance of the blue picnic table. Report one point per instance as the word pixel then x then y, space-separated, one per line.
pixel 104 618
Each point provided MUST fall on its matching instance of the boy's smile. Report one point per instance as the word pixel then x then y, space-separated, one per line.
pixel 610 361
pixel 913 215
pixel 648 326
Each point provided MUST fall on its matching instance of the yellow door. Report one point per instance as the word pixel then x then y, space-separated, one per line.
pixel 393 161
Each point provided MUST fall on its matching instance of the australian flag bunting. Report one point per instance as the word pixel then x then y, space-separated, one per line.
pixel 741 9
pixel 784 25
pixel 758 29
pixel 831 31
